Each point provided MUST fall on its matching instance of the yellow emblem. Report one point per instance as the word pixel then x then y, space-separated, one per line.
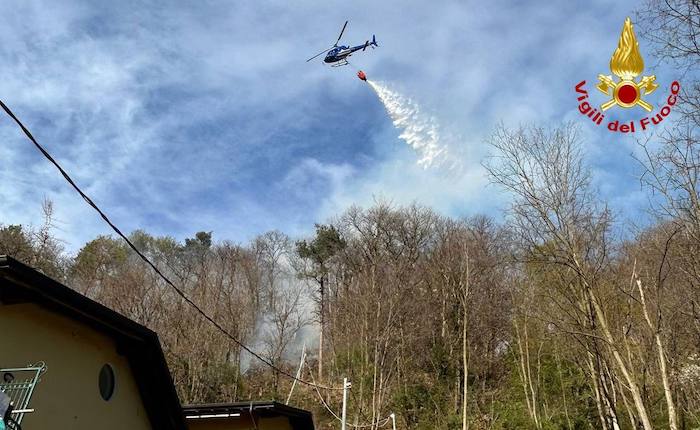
pixel 626 63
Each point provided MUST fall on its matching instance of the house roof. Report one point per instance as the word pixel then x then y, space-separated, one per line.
pixel 299 419
pixel 20 284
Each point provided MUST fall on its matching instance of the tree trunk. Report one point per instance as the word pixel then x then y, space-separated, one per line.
pixel 320 336
pixel 670 405
pixel 523 372
pixel 563 390
pixel 465 371
pixel 629 378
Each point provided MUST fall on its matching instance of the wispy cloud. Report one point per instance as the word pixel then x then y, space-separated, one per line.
pixel 179 118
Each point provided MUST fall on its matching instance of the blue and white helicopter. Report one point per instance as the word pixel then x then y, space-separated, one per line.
pixel 337 55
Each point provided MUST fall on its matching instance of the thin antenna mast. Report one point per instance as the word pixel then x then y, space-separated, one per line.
pixel 301 364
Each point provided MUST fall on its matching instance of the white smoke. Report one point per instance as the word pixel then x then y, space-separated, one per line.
pixel 419 130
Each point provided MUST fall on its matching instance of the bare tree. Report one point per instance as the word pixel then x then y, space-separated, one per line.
pixel 560 223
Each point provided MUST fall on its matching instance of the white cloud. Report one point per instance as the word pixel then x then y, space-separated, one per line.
pixel 183 118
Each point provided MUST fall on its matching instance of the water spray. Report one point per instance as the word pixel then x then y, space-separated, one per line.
pixel 419 130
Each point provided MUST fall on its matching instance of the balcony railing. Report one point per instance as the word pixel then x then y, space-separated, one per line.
pixel 19 384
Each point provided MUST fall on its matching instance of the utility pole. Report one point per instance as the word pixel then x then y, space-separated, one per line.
pixel 346 386
pixel 393 420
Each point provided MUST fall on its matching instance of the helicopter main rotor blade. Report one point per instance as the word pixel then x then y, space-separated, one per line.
pixel 324 51
pixel 341 33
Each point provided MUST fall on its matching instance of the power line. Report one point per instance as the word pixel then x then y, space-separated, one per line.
pixel 148 261
pixel 378 424
pixel 320 396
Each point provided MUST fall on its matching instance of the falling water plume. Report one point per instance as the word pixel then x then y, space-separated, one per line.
pixel 418 129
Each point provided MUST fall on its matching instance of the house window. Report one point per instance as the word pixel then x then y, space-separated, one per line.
pixel 107 382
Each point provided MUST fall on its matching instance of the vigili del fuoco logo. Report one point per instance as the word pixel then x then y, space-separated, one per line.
pixel 625 91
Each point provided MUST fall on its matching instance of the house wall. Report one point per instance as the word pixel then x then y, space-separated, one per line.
pixel 238 423
pixel 68 395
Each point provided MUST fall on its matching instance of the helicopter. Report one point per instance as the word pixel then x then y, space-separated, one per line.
pixel 337 55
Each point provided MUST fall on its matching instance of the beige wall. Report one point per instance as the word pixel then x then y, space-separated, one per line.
pixel 238 423
pixel 68 395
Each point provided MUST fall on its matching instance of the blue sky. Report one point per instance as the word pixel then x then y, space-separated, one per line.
pixel 181 117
